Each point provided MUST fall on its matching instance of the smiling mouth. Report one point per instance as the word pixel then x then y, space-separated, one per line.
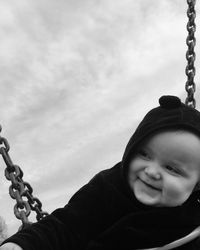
pixel 150 186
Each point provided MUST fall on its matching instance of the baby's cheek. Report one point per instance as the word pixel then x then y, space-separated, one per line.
pixel 131 177
pixel 176 194
pixel 136 165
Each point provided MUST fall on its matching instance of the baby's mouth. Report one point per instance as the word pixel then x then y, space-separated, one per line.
pixel 150 185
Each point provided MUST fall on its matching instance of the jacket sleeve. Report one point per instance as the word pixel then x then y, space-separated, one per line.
pixel 70 227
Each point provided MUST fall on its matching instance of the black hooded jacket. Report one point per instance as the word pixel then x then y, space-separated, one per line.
pixel 104 214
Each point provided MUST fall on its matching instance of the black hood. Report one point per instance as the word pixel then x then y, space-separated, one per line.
pixel 171 114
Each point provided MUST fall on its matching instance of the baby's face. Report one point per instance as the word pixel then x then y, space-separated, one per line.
pixel 165 169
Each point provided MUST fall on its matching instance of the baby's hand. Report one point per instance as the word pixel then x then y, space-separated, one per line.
pixel 10 246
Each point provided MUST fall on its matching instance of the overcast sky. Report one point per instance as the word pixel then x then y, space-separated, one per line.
pixel 76 77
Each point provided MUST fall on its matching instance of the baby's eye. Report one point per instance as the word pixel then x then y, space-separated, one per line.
pixel 144 154
pixel 172 169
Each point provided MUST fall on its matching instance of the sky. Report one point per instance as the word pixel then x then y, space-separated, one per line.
pixel 76 77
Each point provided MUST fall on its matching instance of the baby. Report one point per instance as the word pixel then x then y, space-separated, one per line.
pixel 147 200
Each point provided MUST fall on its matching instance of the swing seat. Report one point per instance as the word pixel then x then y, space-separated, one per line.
pixel 177 243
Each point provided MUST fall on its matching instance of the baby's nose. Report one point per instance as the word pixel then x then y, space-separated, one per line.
pixel 153 171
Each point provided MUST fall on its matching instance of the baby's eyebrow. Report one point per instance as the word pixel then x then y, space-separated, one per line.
pixel 142 148
pixel 145 147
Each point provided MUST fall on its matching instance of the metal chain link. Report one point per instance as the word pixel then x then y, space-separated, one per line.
pixel 190 54
pixel 20 189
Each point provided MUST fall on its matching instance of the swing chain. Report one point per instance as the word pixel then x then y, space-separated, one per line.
pixel 190 54
pixel 20 189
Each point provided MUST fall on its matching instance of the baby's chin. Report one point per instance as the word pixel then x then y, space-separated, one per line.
pixel 148 201
pixel 146 194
